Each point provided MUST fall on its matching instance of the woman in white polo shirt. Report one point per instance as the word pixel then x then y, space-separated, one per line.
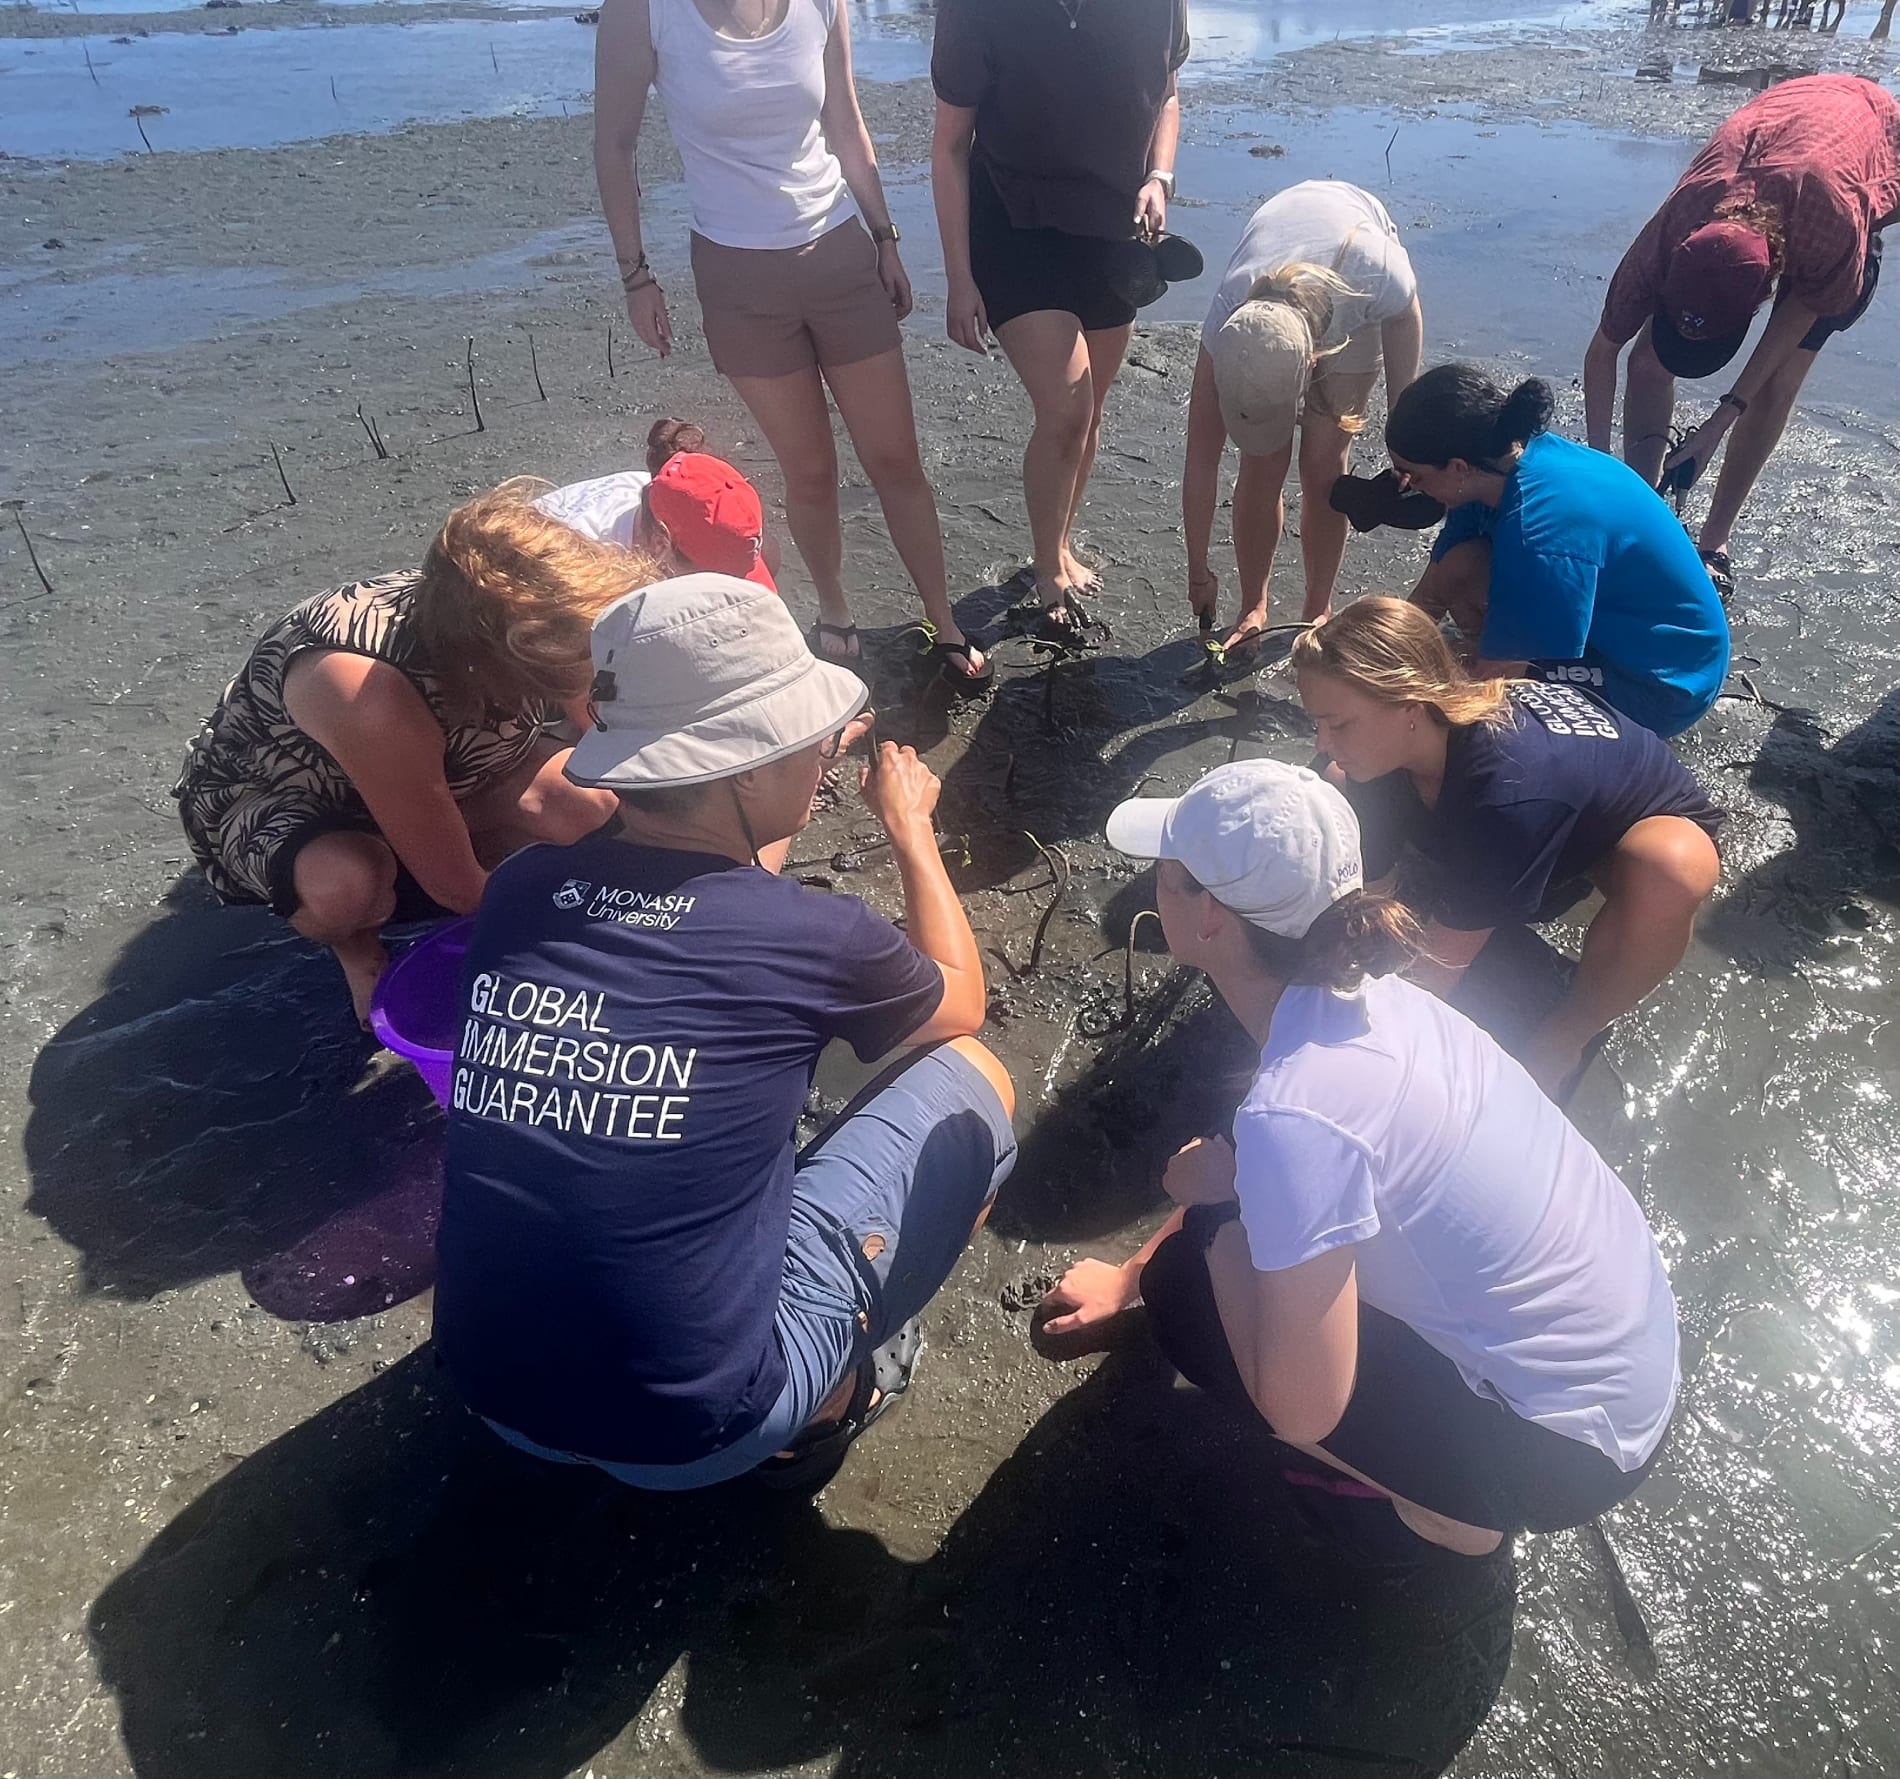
pixel 1318 295
pixel 1407 1260
pixel 795 261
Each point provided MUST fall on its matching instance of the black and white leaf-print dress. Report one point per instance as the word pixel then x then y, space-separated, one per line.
pixel 255 787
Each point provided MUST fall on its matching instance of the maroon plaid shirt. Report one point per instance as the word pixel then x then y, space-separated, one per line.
pixel 1823 152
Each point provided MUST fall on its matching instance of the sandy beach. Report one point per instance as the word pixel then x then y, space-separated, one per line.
pixel 248 1529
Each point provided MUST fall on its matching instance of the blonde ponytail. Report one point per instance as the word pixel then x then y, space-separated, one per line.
pixel 1309 290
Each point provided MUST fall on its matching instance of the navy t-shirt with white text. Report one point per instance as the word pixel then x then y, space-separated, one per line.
pixel 639 1035
pixel 1528 803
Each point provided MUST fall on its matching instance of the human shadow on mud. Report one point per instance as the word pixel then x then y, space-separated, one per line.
pixel 1841 799
pixel 386 1590
pixel 216 1109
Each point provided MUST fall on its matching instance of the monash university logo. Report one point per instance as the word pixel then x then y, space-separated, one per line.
pixel 572 894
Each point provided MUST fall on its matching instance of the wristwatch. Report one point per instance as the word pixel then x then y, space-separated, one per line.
pixel 1162 177
pixel 888 232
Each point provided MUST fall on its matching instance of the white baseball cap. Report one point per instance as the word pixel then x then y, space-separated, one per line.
pixel 701 677
pixel 1275 843
pixel 1263 361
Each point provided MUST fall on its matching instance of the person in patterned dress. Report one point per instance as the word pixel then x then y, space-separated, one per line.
pixel 389 741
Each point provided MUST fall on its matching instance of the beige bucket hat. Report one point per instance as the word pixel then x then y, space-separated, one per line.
pixel 702 677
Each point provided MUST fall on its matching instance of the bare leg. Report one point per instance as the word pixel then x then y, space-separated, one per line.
pixel 1458 586
pixel 1653 884
pixel 346 894
pixel 1107 348
pixel 1649 403
pixel 1200 486
pixel 873 396
pixel 1751 441
pixel 1259 519
pixel 1052 360
pixel 1325 450
pixel 793 415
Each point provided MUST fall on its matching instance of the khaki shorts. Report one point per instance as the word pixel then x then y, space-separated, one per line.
pixel 1341 388
pixel 772 311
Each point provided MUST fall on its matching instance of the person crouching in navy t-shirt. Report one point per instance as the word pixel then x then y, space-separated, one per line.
pixel 1514 790
pixel 1555 561
pixel 637 1269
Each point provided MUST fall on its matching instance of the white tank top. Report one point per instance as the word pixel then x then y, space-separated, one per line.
pixel 744 113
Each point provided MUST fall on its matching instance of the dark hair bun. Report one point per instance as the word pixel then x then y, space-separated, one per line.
pixel 1526 413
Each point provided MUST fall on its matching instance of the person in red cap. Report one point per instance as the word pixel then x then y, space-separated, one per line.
pixel 1789 197
pixel 712 517
pixel 695 512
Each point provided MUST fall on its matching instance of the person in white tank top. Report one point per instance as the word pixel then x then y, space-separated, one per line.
pixel 795 262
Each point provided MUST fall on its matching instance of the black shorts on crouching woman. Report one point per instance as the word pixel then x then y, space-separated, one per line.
pixel 1412 1425
pixel 1018 271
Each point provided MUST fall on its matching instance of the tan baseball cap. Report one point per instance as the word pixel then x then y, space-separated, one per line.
pixel 701 677
pixel 1263 361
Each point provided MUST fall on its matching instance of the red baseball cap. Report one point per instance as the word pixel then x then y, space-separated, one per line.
pixel 713 515
pixel 1712 286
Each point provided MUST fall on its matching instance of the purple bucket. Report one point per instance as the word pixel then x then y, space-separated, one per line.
pixel 417 1007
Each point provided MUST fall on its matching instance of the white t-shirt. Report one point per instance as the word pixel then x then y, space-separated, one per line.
pixel 1480 1217
pixel 744 113
pixel 1325 222
pixel 606 509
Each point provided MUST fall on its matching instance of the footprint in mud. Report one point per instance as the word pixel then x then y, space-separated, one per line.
pixel 1028 1291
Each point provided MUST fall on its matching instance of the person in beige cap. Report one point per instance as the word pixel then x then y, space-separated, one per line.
pixel 638 1269
pixel 1318 295
pixel 1406 1260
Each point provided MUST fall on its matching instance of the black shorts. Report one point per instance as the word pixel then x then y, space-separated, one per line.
pixel 1413 1425
pixel 1829 325
pixel 1018 271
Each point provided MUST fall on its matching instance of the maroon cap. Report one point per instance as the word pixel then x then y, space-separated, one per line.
pixel 1716 280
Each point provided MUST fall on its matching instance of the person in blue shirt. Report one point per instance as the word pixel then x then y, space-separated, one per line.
pixel 1513 792
pixel 1557 562
pixel 637 1269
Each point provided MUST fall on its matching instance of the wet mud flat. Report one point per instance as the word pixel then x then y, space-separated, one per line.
pixel 248 1530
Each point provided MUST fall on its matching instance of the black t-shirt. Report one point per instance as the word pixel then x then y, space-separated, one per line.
pixel 1526 804
pixel 640 1032
pixel 1065 113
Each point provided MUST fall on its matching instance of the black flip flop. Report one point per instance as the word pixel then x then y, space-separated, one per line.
pixel 946 655
pixel 845 633
pixel 1140 269
pixel 1372 501
pixel 818 1454
pixel 1717 563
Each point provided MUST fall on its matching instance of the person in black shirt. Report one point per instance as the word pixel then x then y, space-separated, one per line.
pixel 1514 789
pixel 1056 129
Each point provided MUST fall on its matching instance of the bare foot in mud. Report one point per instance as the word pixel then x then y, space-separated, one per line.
pixel 1077 576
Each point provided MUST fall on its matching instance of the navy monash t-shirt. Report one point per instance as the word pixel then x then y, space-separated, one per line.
pixel 639 1038
pixel 1526 804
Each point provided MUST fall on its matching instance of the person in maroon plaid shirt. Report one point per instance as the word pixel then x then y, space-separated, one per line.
pixel 1790 195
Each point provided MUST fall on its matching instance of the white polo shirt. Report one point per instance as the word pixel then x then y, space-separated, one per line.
pixel 605 509
pixel 1479 1216
pixel 1325 222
